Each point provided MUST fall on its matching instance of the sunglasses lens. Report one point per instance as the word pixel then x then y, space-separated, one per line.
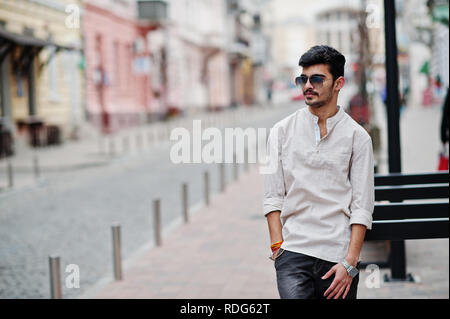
pixel 316 80
pixel 301 80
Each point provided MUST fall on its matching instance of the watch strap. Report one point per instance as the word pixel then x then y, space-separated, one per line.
pixel 352 271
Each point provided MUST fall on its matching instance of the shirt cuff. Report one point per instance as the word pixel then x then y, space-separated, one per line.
pixel 271 205
pixel 362 217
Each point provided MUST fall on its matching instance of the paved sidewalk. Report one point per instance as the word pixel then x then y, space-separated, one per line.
pixel 223 253
pixel 427 261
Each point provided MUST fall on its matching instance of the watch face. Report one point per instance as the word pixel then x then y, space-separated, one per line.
pixel 353 272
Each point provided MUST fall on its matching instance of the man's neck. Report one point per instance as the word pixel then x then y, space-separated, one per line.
pixel 324 112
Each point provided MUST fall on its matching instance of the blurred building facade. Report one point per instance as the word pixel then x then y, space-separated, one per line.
pixel 206 54
pixel 117 63
pixel 184 47
pixel 41 78
pixel 197 65
pixel 244 25
pixel 424 45
pixel 357 32
pixel 117 70
pixel 439 60
pixel 294 26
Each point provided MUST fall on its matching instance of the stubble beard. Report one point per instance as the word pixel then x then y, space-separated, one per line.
pixel 322 102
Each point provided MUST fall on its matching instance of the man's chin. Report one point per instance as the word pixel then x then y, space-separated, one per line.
pixel 313 104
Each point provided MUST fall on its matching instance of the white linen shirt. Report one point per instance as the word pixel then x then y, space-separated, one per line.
pixel 321 186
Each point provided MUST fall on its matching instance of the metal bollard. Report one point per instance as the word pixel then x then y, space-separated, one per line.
pixel 117 256
pixel 55 277
pixel 125 144
pixel 112 148
pixel 149 136
pixel 246 159
pixel 36 166
pixel 157 221
pixel 184 194
pixel 100 144
pixel 161 133
pixel 235 167
pixel 10 175
pixel 222 176
pixel 138 141
pixel 157 133
pixel 206 179
pixel 167 131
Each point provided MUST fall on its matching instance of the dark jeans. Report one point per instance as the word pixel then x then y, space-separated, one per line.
pixel 299 277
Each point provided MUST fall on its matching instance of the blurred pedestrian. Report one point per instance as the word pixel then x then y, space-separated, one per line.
pixel 403 99
pixel 319 201
pixel 443 157
pixel 269 90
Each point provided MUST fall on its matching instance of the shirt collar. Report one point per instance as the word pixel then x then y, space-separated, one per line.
pixel 331 120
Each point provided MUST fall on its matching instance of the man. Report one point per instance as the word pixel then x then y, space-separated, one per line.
pixel 319 201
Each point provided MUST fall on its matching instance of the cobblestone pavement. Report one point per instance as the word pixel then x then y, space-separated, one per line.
pixel 68 211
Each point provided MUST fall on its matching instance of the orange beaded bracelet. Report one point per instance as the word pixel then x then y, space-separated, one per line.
pixel 276 246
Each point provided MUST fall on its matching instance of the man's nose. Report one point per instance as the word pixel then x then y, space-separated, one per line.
pixel 308 85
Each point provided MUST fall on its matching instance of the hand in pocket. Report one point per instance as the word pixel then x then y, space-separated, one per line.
pixel 276 254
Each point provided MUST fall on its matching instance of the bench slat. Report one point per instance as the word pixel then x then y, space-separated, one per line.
pixel 395 211
pixel 409 229
pixel 418 191
pixel 406 179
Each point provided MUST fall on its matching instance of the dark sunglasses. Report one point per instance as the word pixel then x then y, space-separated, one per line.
pixel 315 80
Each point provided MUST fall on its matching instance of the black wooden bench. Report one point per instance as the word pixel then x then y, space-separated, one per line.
pixel 398 221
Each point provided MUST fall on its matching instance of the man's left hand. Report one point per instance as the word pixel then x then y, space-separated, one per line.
pixel 341 283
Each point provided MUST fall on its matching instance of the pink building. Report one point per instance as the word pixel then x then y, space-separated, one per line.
pixel 193 36
pixel 117 65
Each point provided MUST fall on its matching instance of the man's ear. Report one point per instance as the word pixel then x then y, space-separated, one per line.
pixel 340 83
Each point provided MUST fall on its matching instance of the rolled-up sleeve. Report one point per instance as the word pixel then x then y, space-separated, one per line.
pixel 362 181
pixel 274 186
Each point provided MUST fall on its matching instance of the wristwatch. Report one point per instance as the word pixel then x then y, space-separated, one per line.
pixel 352 271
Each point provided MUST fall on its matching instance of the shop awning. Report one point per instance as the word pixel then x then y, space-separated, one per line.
pixel 31 45
pixel 25 40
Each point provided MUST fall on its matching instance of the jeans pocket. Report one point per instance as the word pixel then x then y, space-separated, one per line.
pixel 277 255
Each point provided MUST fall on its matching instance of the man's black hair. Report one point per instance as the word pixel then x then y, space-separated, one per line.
pixel 324 54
